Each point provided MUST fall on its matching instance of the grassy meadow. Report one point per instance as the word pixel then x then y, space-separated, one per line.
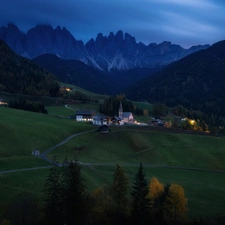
pixel 22 132
pixel 169 156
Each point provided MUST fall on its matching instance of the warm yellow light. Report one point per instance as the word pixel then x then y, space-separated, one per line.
pixel 192 122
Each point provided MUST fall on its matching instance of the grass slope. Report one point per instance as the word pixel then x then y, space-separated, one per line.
pixel 131 145
pixel 156 150
pixel 21 132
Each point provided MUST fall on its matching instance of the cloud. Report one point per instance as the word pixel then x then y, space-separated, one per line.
pixel 183 22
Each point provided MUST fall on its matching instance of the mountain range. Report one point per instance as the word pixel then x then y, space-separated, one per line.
pixel 113 52
pixel 196 81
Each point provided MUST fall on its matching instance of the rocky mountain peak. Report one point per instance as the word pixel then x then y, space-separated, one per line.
pixel 119 51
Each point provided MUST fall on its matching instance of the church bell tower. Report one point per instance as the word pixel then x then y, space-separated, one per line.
pixel 121 110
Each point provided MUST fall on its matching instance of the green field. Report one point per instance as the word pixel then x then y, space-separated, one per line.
pixel 22 132
pixel 190 160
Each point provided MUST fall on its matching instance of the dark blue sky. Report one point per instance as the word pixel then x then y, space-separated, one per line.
pixel 183 22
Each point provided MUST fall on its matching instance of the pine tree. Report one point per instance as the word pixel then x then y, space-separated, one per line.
pixel 23 210
pixel 139 193
pixel 73 194
pixel 119 193
pixel 53 196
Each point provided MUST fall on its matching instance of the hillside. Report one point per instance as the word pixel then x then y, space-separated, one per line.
pixel 22 76
pixel 196 82
pixel 190 160
pixel 78 73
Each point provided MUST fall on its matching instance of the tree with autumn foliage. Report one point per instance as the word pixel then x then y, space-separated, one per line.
pixel 176 204
pixel 102 205
pixel 155 195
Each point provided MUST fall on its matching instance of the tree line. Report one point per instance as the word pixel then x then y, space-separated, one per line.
pixel 77 96
pixel 111 105
pixel 24 104
pixel 66 200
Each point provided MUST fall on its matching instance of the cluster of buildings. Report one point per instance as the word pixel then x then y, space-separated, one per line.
pixel 100 119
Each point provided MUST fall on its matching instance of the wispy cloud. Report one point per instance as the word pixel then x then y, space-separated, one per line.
pixel 184 22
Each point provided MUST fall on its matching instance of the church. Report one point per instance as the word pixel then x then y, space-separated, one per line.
pixel 124 117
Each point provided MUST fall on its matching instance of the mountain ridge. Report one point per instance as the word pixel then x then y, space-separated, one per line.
pixel 118 51
pixel 82 75
pixel 22 76
pixel 195 82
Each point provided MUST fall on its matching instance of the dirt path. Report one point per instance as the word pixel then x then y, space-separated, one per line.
pixel 91 165
pixel 43 154
pixel 25 169
pixel 69 107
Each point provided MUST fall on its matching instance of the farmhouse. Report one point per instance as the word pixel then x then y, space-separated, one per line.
pixel 100 120
pixel 103 129
pixel 82 115
pixel 35 152
pixel 2 102
pixel 64 88
pixel 117 120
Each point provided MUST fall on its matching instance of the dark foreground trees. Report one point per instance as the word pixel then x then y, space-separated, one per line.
pixel 67 202
pixel 139 193
pixel 23 210
pixel 53 196
pixel 119 192
pixel 64 195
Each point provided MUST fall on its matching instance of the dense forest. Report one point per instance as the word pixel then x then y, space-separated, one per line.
pixel 66 200
pixel 76 96
pixel 111 105
pixel 27 105
pixel 78 73
pixel 22 76
pixel 196 82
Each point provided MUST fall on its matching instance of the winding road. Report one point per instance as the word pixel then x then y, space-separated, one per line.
pixel 43 154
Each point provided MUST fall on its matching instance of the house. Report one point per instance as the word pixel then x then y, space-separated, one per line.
pixel 64 88
pixel 84 115
pixel 2 102
pixel 103 129
pixel 35 152
pixel 117 120
pixel 100 120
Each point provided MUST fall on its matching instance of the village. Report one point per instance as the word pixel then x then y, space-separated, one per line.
pixel 104 121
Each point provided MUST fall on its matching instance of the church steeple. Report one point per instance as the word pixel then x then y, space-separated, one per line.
pixel 121 110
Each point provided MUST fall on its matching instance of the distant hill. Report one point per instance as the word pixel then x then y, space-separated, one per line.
pixel 22 76
pixel 101 82
pixel 78 73
pixel 118 51
pixel 196 81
